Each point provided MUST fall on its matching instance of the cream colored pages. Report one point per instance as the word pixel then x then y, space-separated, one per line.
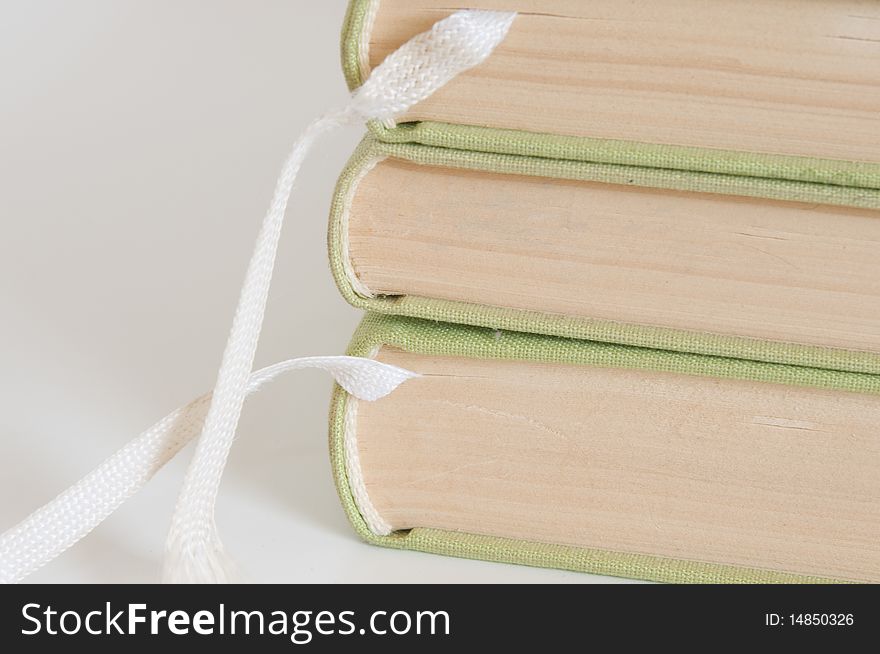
pixel 782 271
pixel 773 76
pixel 721 471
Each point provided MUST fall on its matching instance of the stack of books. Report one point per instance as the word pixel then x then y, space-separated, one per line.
pixel 635 257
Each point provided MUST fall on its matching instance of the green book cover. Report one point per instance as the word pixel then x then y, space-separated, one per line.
pixel 437 339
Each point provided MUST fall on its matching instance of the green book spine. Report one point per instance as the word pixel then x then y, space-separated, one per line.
pixel 429 338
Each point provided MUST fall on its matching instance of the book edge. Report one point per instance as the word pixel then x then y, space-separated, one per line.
pixel 375 331
pixel 831 172
pixel 354 55
pixel 370 151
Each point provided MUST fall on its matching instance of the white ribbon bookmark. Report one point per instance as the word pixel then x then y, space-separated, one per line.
pixel 194 552
pixel 53 528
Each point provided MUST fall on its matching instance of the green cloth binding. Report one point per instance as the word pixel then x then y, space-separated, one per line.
pixel 429 338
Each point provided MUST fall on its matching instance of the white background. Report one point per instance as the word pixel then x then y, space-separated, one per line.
pixel 139 143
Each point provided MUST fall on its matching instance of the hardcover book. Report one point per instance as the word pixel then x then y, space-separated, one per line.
pixel 768 269
pixel 611 459
pixel 765 88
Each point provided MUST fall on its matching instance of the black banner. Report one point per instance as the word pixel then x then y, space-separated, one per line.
pixel 433 618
